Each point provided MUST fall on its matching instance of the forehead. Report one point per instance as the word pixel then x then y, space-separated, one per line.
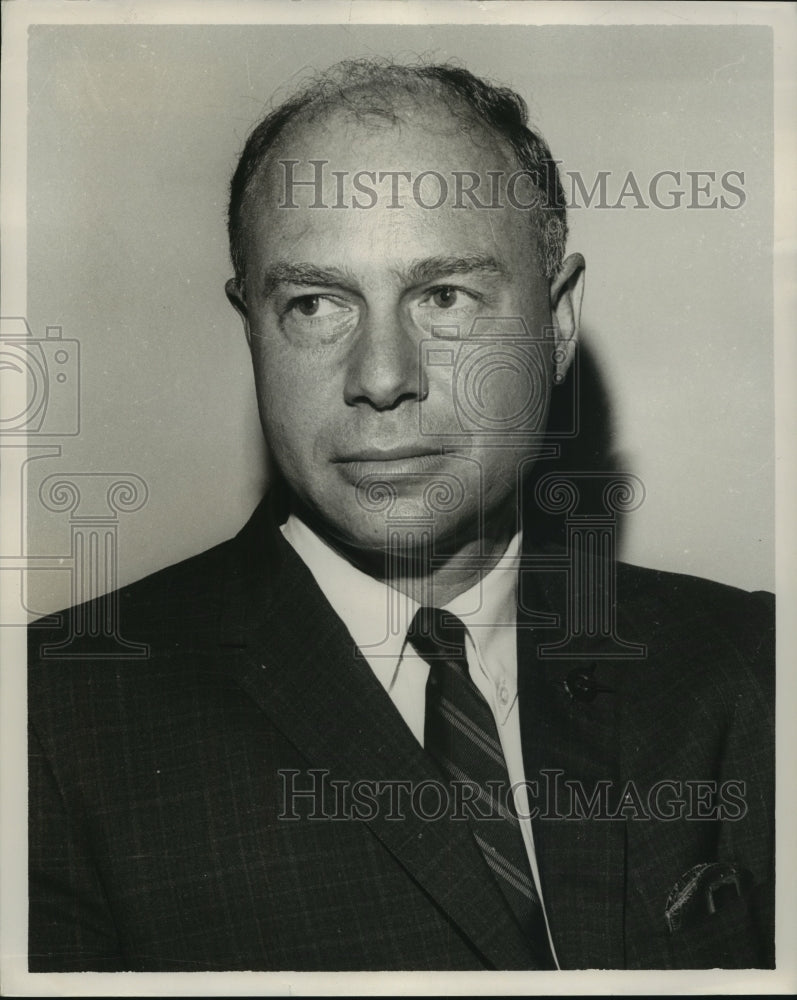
pixel 424 129
pixel 375 183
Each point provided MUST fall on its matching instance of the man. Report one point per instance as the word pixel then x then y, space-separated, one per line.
pixel 384 727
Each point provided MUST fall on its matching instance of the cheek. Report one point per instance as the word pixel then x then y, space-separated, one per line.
pixel 502 388
pixel 295 402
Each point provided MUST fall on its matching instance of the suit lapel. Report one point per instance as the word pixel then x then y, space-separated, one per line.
pixel 568 739
pixel 298 663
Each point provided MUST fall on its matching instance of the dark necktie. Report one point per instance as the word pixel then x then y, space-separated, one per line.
pixel 461 736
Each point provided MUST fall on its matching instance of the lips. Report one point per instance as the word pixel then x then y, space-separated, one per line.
pixel 397 453
pixel 390 463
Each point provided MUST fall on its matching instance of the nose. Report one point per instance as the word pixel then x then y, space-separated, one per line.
pixel 384 365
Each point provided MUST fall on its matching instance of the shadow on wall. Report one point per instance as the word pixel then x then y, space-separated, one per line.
pixel 581 421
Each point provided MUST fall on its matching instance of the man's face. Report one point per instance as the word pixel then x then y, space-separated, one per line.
pixel 373 382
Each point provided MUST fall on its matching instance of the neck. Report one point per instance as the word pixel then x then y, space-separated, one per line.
pixel 431 578
pixel 449 575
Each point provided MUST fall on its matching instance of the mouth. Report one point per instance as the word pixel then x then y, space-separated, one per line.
pixel 400 460
pixel 397 453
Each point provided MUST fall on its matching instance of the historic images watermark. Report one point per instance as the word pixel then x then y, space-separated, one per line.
pixel 42 376
pixel 40 412
pixel 314 795
pixel 473 363
pixel 497 189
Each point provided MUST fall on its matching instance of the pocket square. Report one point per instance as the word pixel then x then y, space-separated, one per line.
pixel 703 890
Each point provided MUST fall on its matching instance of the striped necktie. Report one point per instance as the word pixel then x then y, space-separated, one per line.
pixel 461 736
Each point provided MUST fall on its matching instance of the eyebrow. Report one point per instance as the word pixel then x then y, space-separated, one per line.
pixel 283 273
pixel 436 267
pixel 418 272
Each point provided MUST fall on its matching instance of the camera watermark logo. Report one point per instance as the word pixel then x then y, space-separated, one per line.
pixel 40 405
pixel 41 395
pixel 498 377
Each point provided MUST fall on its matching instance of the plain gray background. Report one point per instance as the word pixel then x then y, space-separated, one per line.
pixel 133 134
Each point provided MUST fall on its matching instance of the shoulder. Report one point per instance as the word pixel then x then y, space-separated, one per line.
pixel 688 598
pixel 125 651
pixel 712 641
pixel 665 599
pixel 156 604
pixel 184 597
pixel 174 627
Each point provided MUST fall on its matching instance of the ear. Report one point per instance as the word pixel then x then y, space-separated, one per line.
pixel 235 294
pixel 567 291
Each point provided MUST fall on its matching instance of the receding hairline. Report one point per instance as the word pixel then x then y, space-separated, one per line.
pixel 321 113
pixel 381 90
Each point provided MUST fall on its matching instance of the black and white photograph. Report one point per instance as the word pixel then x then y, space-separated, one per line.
pixel 398 474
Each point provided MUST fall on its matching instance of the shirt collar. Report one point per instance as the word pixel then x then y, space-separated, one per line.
pixel 489 612
pixel 377 616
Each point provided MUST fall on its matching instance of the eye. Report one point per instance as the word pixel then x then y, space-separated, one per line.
pixel 314 305
pixel 445 297
pixel 449 305
pixel 319 316
pixel 450 298
pixel 307 306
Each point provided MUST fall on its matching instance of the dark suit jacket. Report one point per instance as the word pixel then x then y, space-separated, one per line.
pixel 156 841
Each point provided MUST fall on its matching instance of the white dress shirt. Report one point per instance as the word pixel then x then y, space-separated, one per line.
pixel 378 617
